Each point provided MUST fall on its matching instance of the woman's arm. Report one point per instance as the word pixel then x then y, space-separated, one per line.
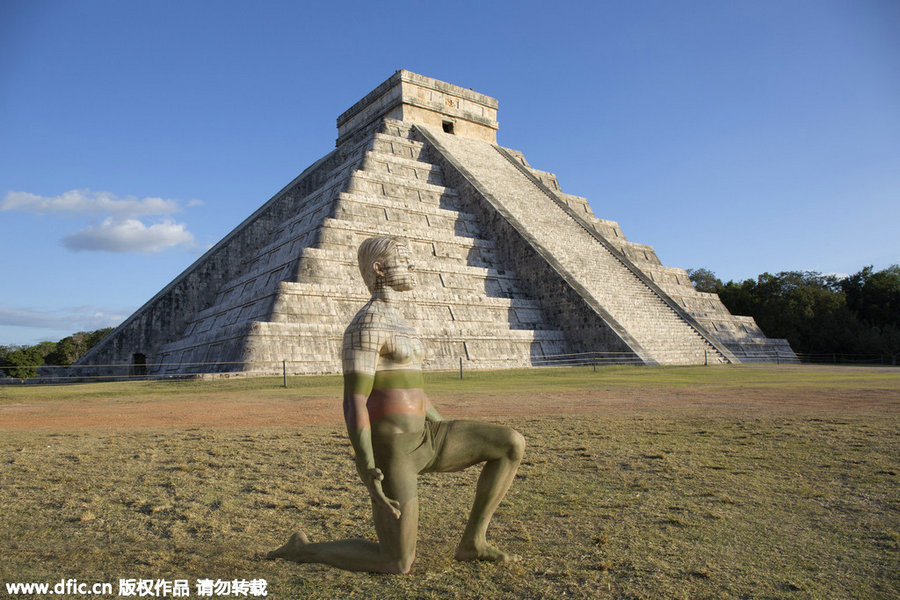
pixel 360 357
pixel 357 387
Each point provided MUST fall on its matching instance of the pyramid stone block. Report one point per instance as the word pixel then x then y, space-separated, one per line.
pixel 513 272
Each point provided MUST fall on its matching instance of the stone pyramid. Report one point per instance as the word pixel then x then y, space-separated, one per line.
pixel 512 271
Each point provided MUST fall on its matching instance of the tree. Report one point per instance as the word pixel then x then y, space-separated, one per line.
pixel 874 297
pixel 5 351
pixel 71 348
pixel 46 348
pixel 704 280
pixel 23 363
pixel 65 353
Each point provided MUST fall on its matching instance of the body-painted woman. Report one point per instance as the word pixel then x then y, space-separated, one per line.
pixel 397 433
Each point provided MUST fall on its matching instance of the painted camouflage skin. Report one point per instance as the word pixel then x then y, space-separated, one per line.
pixel 397 433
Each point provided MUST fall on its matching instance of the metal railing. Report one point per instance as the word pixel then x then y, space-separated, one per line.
pixel 49 374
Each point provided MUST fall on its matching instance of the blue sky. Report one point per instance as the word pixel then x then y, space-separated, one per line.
pixel 740 136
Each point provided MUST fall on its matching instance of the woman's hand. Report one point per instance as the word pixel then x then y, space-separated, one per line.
pixel 373 479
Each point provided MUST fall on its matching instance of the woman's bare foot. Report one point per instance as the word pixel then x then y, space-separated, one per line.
pixel 292 550
pixel 483 552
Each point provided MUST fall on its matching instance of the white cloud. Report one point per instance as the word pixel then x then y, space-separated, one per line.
pixel 88 202
pixel 81 318
pixel 129 235
pixel 122 229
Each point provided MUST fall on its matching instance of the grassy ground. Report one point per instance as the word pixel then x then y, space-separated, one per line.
pixel 706 500
pixel 475 382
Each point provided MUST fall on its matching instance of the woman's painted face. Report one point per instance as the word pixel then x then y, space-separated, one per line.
pixel 399 272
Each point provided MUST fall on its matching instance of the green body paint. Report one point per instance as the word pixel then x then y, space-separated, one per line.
pixel 361 383
pixel 357 383
pixel 399 380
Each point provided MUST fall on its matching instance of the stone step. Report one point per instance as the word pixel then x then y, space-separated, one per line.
pixel 342 259
pixel 338 232
pixel 433 305
pixel 397 129
pixel 356 206
pixel 398 166
pixel 402 147
pixel 359 296
pixel 451 330
pixel 392 186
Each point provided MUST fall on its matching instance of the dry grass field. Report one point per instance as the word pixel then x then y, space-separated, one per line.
pixel 718 482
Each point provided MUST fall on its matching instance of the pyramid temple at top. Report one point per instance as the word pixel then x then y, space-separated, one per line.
pixel 512 271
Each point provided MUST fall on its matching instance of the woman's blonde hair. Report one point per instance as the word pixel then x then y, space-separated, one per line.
pixel 372 250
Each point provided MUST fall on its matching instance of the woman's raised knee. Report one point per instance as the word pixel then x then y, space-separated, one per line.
pixel 516 445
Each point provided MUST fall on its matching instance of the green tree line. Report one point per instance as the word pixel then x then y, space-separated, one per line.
pixel 22 362
pixel 818 314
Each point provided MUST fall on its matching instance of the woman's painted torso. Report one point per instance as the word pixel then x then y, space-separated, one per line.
pixel 396 403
